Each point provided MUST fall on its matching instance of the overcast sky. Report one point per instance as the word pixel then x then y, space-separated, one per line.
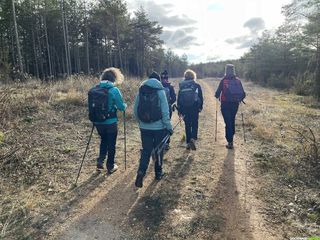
pixel 212 30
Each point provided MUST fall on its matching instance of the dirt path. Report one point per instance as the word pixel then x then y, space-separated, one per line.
pixel 207 194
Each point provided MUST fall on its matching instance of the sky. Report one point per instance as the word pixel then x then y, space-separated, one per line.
pixel 212 30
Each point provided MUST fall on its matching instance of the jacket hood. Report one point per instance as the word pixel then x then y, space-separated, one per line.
pixel 153 83
pixel 106 84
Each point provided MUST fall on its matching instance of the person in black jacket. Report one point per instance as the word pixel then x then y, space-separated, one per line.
pixel 190 104
pixel 170 94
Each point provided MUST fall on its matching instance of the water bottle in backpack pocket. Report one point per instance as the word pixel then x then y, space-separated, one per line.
pixel 149 109
pixel 98 104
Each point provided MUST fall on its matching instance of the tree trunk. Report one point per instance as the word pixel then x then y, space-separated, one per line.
pixel 65 41
pixel 17 37
pixel 48 47
pixel 35 54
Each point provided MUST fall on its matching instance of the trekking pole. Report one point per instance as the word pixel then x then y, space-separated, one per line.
pixel 244 132
pixel 216 130
pixel 125 140
pixel 157 150
pixel 84 155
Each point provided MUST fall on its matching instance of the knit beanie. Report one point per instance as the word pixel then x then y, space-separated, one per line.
pixel 230 70
pixel 154 75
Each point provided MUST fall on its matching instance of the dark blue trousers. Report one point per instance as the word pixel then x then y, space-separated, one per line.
pixel 150 139
pixel 108 134
pixel 191 125
pixel 229 111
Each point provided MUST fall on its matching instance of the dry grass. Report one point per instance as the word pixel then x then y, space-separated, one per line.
pixel 284 138
pixel 43 128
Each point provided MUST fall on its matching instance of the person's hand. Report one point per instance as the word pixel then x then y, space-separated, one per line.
pixel 170 131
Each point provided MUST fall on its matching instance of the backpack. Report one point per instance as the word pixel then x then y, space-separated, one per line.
pixel 233 90
pixel 149 109
pixel 188 94
pixel 98 104
pixel 167 91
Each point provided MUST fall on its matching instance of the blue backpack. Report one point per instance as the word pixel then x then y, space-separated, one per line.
pixel 233 90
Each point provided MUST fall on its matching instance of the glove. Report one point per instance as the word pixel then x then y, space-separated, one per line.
pixel 170 131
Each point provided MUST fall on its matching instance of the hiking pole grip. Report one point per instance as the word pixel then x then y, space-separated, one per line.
pixel 84 155
pixel 125 140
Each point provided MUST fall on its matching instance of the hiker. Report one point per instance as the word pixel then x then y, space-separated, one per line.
pixel 152 112
pixel 107 126
pixel 230 93
pixel 171 96
pixel 190 103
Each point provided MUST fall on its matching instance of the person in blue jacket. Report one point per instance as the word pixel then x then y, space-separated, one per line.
pixel 152 133
pixel 108 130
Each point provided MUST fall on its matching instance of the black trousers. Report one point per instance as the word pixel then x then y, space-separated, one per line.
pixel 150 139
pixel 108 135
pixel 191 125
pixel 229 111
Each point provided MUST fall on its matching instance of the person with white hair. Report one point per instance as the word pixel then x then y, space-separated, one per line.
pixel 190 104
pixel 108 129
pixel 230 92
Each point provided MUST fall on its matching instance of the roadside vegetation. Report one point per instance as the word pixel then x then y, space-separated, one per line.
pixel 283 132
pixel 43 129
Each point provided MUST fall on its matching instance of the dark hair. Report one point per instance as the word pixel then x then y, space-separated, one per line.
pixel 154 75
pixel 108 75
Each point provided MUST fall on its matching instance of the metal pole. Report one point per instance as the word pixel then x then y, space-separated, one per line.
pixel 125 140
pixel 244 132
pixel 84 155
pixel 216 130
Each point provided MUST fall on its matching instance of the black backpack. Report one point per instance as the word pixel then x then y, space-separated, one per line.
pixel 149 109
pixel 98 104
pixel 188 95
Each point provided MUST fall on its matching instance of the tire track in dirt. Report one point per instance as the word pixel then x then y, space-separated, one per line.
pixel 203 196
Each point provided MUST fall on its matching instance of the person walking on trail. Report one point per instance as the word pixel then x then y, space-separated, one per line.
pixel 231 93
pixel 107 127
pixel 152 112
pixel 171 96
pixel 190 104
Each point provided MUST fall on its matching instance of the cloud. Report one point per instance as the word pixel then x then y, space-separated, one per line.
pixel 179 39
pixel 162 14
pixel 255 25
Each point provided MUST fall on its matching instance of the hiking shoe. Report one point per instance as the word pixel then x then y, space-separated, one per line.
pixel 99 167
pixel 139 180
pixel 193 144
pixel 229 145
pixel 159 175
pixel 115 168
pixel 188 146
pixel 167 147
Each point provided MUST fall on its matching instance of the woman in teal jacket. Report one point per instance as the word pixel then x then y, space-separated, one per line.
pixel 108 130
pixel 152 133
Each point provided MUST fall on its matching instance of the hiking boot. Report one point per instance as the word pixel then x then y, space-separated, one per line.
pixel 99 167
pixel 139 180
pixel 229 145
pixel 193 144
pixel 115 168
pixel 159 175
pixel 188 146
pixel 167 147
